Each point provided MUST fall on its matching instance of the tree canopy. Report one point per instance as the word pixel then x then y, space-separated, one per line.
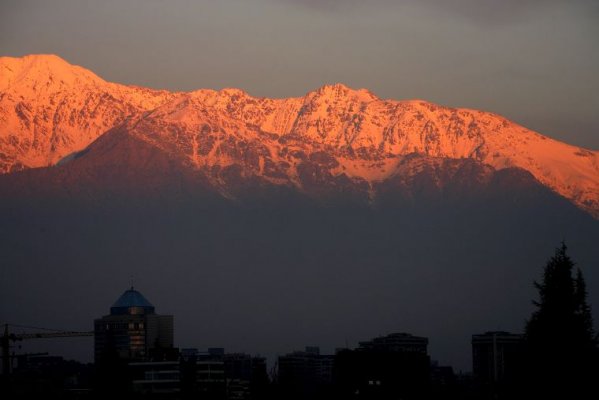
pixel 561 344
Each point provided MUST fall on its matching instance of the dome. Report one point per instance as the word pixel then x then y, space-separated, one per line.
pixel 132 302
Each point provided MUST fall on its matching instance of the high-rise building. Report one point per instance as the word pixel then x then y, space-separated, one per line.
pixel 496 357
pixel 305 374
pixel 392 366
pixel 132 330
pixel 214 374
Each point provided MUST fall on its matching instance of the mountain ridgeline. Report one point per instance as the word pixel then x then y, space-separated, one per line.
pixel 332 139
pixel 321 219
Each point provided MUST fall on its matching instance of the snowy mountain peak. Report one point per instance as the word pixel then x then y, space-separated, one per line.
pixel 43 72
pixel 50 109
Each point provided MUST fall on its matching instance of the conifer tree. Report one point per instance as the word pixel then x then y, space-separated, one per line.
pixel 561 349
pixel 583 310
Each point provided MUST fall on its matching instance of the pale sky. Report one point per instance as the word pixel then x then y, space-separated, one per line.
pixel 533 61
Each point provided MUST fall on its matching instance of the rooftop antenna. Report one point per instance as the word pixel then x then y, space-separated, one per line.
pixel 131 277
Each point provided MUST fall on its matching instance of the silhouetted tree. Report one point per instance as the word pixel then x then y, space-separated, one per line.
pixel 561 347
pixel 583 310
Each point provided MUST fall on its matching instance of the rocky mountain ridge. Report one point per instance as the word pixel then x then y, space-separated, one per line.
pixel 51 110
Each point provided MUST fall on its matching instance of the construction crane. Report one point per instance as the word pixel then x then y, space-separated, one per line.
pixel 11 337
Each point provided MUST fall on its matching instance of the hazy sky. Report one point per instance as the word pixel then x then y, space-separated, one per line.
pixel 534 61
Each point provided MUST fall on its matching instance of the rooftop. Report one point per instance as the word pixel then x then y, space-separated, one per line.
pixel 132 302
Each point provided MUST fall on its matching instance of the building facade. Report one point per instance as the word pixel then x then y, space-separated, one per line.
pixel 496 357
pixel 132 330
pixel 214 374
pixel 396 366
pixel 305 374
pixel 397 342
pixel 155 377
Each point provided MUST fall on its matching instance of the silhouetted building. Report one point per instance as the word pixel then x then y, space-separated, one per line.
pixel 132 329
pixel 496 359
pixel 215 374
pixel 305 374
pixel 443 382
pixel 246 376
pixel 397 342
pixel 155 377
pixel 43 376
pixel 495 355
pixel 393 366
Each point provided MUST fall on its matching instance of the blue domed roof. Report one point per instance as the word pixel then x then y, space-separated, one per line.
pixel 132 302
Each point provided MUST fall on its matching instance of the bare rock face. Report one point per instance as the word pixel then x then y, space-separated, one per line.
pixel 333 140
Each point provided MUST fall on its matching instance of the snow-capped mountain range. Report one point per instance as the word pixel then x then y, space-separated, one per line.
pixel 50 111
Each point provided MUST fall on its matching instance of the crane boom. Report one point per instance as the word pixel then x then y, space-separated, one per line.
pixel 47 335
pixel 8 337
